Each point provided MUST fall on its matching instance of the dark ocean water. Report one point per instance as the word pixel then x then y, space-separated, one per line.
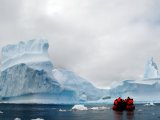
pixel 51 112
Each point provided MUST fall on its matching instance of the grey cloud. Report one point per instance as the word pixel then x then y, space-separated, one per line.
pixel 104 41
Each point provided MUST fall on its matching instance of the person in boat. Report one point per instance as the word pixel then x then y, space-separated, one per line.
pixel 129 104
pixel 120 104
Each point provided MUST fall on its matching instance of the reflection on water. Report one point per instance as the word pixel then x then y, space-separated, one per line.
pixel 121 115
pixel 130 115
pixel 118 115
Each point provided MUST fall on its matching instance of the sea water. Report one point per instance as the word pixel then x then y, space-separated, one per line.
pixel 65 112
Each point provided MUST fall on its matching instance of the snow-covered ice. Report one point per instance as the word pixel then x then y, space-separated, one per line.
pixel 79 107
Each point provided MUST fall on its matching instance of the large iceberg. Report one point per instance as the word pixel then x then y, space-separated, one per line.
pixel 27 75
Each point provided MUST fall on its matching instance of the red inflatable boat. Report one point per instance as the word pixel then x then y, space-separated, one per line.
pixel 120 104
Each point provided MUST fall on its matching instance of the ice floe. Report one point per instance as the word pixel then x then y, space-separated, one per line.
pixel 79 107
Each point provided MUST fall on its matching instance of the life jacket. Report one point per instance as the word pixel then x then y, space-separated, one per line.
pixel 119 104
pixel 119 99
pixel 129 104
pixel 115 102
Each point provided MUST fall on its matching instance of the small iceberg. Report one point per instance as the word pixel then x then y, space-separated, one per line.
pixel 79 107
pixel 149 104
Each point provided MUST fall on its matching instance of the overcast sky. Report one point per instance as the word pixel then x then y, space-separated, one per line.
pixel 103 41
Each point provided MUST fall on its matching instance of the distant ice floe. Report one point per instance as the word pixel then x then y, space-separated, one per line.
pixel 37 119
pixel 1 112
pixel 17 118
pixel 149 104
pixel 61 110
pixel 139 110
pixel 100 108
pixel 79 107
pixel 82 107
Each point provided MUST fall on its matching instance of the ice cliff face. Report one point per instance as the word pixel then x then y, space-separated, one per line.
pixel 151 70
pixel 22 79
pixel 28 75
pixel 27 69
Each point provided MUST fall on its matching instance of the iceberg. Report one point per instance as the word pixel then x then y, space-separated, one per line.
pixel 27 75
pixel 143 91
pixel 151 70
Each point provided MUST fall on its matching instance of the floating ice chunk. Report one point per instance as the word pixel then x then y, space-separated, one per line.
pixel 153 113
pixel 17 118
pixel 139 110
pixel 61 110
pixel 149 104
pixel 1 112
pixel 37 119
pixel 79 107
pixel 100 108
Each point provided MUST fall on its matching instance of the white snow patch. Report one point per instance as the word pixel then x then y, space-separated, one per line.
pixel 79 107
